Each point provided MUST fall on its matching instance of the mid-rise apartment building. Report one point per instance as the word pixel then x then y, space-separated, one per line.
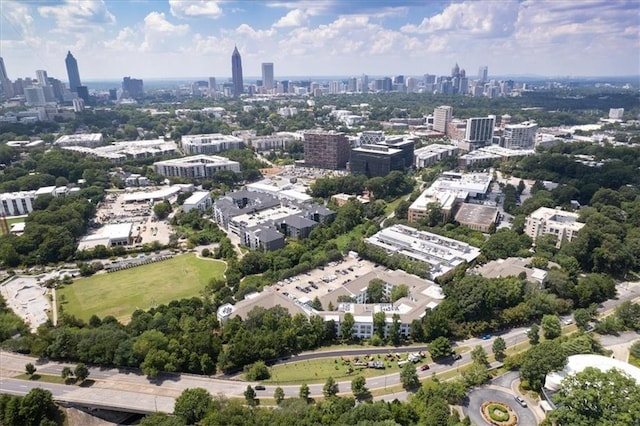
pixel 442 115
pixel 562 224
pixel 210 143
pixel 520 136
pixel 195 167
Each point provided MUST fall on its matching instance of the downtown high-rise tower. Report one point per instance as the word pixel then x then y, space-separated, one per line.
pixel 236 72
pixel 73 73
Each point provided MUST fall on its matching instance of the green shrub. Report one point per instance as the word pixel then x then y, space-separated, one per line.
pixel 498 413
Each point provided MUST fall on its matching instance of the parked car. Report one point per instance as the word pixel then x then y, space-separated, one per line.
pixel 568 321
pixel 424 367
pixel 456 356
pixel 259 387
pixel 487 337
pixel 520 400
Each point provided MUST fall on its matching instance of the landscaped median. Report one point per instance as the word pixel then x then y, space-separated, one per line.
pixel 499 414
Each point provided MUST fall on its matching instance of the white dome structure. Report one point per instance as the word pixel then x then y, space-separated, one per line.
pixel 578 363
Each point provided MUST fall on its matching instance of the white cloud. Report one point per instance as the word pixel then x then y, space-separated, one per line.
pixel 475 18
pixel 247 30
pixel 195 9
pixel 295 18
pixel 17 24
pixel 70 15
pixel 160 33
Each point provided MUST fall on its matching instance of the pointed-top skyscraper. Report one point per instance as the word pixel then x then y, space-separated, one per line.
pixel 73 73
pixel 236 72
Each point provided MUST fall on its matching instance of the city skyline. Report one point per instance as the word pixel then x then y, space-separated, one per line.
pixel 193 39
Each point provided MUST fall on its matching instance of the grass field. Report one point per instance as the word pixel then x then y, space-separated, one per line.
pixel 319 370
pixel 120 293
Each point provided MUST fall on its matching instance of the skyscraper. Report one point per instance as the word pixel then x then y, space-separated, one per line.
pixel 43 79
pixel 442 115
pixel 72 72
pixel 483 74
pixel 236 72
pixel 267 75
pixel 3 71
pixel 212 87
pixel 6 86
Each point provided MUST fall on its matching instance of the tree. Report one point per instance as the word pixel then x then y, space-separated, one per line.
pixel 346 326
pixel 304 391
pixel 192 405
pixel 250 396
pixel 398 292
pixel 628 314
pixel 66 373
pixel 36 407
pixel 534 334
pixel 593 397
pixel 278 395
pixel 161 419
pixel 162 209
pixel 499 347
pixel 440 347
pixel 479 355
pixel 257 371
pixel 551 327
pixel 409 376
pixel 330 388
pixel 316 304
pixel 379 323
pixel 81 372
pixel 540 360
pixel 30 369
pixel 375 291
pixel 359 388
pixel 582 316
pixel 394 330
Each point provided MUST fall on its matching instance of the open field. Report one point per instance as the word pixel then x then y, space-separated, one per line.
pixel 120 293
pixel 319 370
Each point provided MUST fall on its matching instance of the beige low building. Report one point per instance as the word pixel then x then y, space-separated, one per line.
pixel 477 216
pixel 513 267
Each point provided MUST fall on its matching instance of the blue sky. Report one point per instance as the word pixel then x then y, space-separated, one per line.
pixel 194 39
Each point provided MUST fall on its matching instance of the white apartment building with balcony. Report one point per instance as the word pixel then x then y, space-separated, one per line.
pixel 210 143
pixel 195 167
pixel 562 224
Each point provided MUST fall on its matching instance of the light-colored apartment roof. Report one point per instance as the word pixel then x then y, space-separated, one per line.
pixel 197 197
pixel 441 253
pixel 512 266
pixel 267 299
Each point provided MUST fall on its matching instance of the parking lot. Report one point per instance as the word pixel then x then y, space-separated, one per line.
pixel 146 228
pixel 324 279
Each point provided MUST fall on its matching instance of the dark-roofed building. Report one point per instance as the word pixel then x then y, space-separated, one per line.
pixel 320 214
pixel 376 160
pixel 296 226
pixel 477 216
pixel 262 221
pixel 263 238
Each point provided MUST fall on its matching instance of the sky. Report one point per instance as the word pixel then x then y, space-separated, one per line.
pixel 158 39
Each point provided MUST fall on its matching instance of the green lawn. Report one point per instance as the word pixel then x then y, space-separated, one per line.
pixel 120 293
pixel 319 370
